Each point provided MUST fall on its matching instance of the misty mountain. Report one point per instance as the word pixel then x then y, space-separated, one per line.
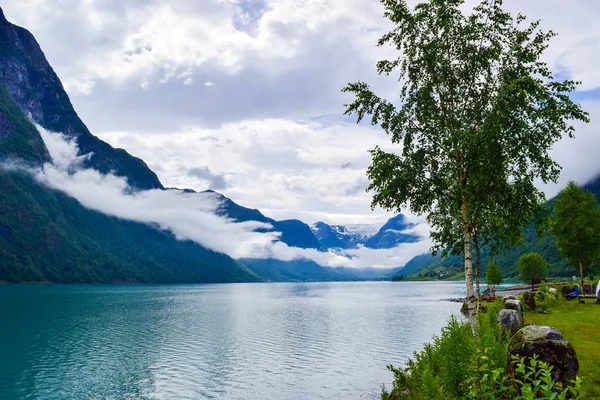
pixel 390 235
pixel 47 236
pixel 294 233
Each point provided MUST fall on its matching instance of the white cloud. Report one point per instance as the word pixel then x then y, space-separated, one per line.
pixel 189 215
pixel 287 169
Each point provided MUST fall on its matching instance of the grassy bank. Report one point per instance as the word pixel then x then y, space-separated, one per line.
pixel 580 325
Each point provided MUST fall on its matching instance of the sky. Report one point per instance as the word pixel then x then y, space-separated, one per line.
pixel 244 96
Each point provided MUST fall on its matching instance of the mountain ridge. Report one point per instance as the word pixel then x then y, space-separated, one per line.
pixel 47 236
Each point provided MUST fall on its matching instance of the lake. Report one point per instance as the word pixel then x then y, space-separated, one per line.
pixel 231 341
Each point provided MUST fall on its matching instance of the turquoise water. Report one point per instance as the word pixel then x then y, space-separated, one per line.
pixel 235 341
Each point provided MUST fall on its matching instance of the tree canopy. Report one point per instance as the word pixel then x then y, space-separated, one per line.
pixel 493 275
pixel 532 268
pixel 576 225
pixel 476 114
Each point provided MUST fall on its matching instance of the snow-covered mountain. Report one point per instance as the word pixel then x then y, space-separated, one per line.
pixel 391 234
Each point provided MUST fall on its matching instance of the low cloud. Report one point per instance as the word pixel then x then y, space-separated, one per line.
pixel 190 216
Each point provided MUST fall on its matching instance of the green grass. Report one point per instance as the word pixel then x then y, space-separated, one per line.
pixel 580 325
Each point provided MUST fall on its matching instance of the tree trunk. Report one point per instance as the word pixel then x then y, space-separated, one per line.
pixel 468 262
pixel 581 276
pixel 477 269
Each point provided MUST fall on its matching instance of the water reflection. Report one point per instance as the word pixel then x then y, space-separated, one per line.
pixel 239 341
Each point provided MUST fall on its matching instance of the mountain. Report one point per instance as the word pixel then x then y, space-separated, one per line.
pixel 294 233
pixel 337 236
pixel 47 236
pixel 36 89
pixel 545 245
pixel 393 233
pixel 390 235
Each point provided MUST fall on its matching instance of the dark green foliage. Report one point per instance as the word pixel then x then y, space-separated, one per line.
pixel 18 137
pixel 576 225
pixel 46 236
pixel 532 268
pixel 493 275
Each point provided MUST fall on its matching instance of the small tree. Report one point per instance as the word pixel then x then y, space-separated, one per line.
pixel 493 275
pixel 532 268
pixel 576 225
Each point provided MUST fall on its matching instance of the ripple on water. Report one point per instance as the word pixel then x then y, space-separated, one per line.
pixel 242 341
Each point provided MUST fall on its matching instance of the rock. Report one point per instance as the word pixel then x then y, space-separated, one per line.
pixel 455 299
pixel 553 292
pixel 541 296
pixel 509 298
pixel 529 300
pixel 510 319
pixel 549 345
pixel 514 305
pixel 588 288
pixel 540 310
pixel 564 290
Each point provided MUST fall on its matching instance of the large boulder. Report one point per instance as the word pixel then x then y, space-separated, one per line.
pixel 549 345
pixel 529 300
pixel 565 289
pixel 552 291
pixel 514 305
pixel 510 319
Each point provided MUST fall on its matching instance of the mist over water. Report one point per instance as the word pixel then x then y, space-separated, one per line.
pixel 233 341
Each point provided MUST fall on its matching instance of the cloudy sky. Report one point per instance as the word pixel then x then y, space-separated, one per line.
pixel 243 96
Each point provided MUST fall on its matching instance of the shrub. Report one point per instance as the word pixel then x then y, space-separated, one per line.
pixel 463 363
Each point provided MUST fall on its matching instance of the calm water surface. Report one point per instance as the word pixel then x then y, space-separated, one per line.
pixel 237 341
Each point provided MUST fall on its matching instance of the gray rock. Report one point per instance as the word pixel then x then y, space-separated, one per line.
pixel 553 292
pixel 509 298
pixel 549 345
pixel 540 296
pixel 540 310
pixel 510 319
pixel 529 300
pixel 514 305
